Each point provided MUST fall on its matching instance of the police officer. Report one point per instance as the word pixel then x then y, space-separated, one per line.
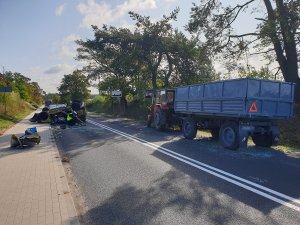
pixel 70 119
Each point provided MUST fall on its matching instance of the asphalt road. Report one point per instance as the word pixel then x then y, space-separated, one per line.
pixel 130 174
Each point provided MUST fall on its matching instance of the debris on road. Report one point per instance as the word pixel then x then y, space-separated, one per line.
pixel 62 114
pixel 30 138
pixel 65 159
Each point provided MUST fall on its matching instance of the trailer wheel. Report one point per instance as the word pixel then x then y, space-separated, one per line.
pixel 262 140
pixel 229 135
pixel 160 119
pixel 189 128
pixel 215 133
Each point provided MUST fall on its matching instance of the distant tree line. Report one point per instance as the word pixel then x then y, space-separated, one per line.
pixel 22 85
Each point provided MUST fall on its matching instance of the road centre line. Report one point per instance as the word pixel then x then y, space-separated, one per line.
pixel 212 170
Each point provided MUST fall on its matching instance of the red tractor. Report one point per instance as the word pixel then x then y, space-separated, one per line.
pixel 162 115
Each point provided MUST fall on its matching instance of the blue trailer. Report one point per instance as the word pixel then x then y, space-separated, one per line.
pixel 232 110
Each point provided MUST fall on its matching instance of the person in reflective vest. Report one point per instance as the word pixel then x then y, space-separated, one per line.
pixel 70 119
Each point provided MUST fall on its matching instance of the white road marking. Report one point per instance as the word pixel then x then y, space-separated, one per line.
pixel 213 171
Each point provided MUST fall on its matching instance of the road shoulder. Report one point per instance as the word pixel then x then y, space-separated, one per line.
pixel 34 186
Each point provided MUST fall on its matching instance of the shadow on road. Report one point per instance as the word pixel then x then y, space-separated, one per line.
pixel 194 202
pixel 204 198
pixel 77 140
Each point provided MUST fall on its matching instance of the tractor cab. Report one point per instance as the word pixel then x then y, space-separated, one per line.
pixel 165 99
pixel 162 107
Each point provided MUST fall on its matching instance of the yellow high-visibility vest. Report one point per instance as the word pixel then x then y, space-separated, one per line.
pixel 69 117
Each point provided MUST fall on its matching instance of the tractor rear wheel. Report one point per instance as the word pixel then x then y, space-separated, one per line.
pixel 160 119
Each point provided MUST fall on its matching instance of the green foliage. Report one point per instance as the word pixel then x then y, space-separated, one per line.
pixel 28 91
pixel 289 130
pixel 16 109
pixel 136 109
pixel 153 56
pixel 264 73
pixel 276 37
pixel 99 104
pixel 102 99
pixel 74 87
pixel 55 98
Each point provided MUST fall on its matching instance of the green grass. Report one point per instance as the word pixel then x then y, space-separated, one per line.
pixel 17 109
pixel 7 121
pixel 4 123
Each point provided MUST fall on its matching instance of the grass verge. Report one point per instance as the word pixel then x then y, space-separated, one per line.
pixel 7 121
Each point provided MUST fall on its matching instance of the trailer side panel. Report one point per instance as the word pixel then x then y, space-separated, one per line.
pixel 242 98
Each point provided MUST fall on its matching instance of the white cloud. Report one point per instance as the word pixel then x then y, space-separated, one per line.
pixel 71 38
pixel 60 69
pixel 51 77
pixel 102 13
pixel 65 49
pixel 46 78
pixel 60 9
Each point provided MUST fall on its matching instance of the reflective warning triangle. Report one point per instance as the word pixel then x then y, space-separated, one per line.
pixel 253 107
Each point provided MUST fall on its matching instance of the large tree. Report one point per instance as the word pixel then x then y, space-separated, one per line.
pixel 277 33
pixel 110 57
pixel 168 54
pixel 153 55
pixel 74 87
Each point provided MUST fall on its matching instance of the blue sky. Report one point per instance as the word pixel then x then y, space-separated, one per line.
pixel 37 36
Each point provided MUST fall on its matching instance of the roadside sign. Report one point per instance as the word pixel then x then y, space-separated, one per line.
pixel 6 89
pixel 116 94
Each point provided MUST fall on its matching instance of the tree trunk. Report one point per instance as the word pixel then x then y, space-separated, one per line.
pixel 153 79
pixel 170 70
pixel 287 56
pixel 153 69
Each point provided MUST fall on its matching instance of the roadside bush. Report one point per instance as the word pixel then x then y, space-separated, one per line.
pixel 138 109
pixel 14 104
pixel 135 109
pixel 290 130
pixel 100 104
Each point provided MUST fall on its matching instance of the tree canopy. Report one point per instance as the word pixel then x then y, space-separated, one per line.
pixel 154 55
pixel 28 91
pixel 276 36
pixel 74 87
